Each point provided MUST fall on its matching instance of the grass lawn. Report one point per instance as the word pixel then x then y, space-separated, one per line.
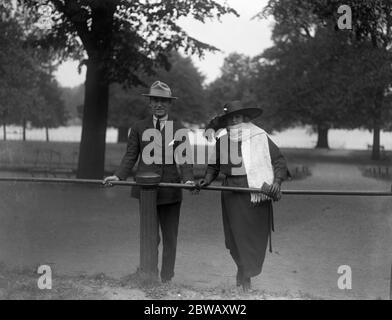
pixel 19 155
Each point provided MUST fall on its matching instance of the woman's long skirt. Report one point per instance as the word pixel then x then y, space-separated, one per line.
pixel 247 228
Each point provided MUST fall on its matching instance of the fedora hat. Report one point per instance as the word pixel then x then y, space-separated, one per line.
pixel 159 89
pixel 233 108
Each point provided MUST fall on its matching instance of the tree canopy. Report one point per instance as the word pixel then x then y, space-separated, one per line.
pixel 330 77
pixel 234 83
pixel 127 105
pixel 117 40
pixel 28 91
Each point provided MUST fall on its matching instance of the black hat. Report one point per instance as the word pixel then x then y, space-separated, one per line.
pixel 232 108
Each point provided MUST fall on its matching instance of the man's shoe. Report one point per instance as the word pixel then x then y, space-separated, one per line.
pixel 165 280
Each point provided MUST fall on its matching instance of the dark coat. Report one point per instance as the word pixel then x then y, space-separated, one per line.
pixel 247 228
pixel 167 171
pixel 278 161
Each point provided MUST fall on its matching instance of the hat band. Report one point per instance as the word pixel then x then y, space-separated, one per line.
pixel 160 93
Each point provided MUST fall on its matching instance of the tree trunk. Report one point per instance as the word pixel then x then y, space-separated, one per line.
pixel 47 133
pixel 98 44
pixel 376 143
pixel 92 146
pixel 378 102
pixel 122 134
pixel 24 130
pixel 4 131
pixel 322 141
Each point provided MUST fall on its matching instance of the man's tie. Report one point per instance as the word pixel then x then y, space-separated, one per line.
pixel 158 125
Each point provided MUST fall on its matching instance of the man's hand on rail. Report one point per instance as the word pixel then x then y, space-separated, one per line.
pixel 202 183
pixel 107 181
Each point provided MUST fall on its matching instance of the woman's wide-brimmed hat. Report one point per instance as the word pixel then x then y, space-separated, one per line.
pixel 232 108
pixel 160 89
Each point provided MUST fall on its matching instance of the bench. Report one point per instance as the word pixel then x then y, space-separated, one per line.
pixel 382 150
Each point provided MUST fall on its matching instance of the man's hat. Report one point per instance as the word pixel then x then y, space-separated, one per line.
pixel 161 90
pixel 232 108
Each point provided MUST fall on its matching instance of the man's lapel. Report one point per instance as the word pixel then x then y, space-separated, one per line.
pixel 145 125
pixel 148 124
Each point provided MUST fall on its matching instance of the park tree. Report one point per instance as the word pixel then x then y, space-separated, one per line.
pixel 371 35
pixel 8 49
pixel 18 72
pixel 28 91
pixel 73 97
pixel 116 40
pixel 366 27
pixel 246 79
pixel 234 83
pixel 303 82
pixel 126 105
pixel 49 110
pixel 186 82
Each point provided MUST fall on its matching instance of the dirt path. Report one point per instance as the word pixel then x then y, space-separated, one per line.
pixel 85 231
pixel 318 234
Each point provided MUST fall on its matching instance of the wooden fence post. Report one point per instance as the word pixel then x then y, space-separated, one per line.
pixel 390 285
pixel 148 268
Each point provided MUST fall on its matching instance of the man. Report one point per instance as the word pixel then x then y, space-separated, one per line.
pixel 168 199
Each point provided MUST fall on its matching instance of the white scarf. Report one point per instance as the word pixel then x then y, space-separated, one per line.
pixel 255 156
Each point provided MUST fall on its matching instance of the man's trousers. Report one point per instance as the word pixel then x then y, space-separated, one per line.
pixel 168 219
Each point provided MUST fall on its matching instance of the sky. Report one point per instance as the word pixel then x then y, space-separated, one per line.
pixel 232 34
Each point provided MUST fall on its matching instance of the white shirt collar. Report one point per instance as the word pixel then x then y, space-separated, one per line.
pixel 160 119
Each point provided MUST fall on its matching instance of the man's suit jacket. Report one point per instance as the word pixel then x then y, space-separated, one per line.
pixel 168 172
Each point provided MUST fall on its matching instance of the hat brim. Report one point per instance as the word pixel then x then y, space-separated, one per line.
pixel 251 113
pixel 158 96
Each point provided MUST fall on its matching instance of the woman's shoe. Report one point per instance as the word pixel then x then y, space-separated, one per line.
pixel 239 277
pixel 246 284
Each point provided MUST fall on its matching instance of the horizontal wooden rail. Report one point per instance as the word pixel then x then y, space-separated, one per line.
pixel 210 188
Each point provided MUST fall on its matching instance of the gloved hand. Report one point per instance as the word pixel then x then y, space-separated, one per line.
pixel 270 192
pixel 275 192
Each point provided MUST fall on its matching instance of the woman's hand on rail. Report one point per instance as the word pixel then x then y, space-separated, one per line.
pixel 275 191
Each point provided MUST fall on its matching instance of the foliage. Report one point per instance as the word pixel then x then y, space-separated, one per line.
pixel 351 68
pixel 185 81
pixel 50 111
pixel 117 40
pixel 320 75
pixel 126 37
pixel 234 83
pixel 73 97
pixel 27 91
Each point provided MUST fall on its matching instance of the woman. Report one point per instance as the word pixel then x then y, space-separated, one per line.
pixel 247 157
